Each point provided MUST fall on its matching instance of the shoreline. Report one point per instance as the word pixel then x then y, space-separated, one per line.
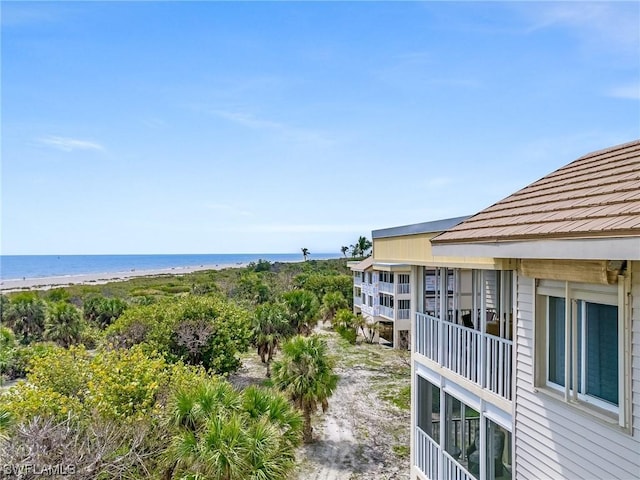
pixel 47 283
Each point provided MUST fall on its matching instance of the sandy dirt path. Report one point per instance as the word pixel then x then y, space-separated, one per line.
pixel 363 435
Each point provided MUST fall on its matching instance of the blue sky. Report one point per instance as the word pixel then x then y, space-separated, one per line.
pixel 222 127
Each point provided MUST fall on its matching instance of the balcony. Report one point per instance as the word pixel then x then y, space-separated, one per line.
pixel 427 458
pixel 404 314
pixel 357 300
pixel 403 288
pixel 357 280
pixel 386 287
pixel 386 312
pixel 482 358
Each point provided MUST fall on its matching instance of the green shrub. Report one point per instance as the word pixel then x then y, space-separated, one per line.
pixel 201 330
pixel 349 334
pixel 26 401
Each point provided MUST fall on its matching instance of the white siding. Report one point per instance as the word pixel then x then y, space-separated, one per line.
pixel 554 440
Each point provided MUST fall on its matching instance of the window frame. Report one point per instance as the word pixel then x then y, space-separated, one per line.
pixel 615 295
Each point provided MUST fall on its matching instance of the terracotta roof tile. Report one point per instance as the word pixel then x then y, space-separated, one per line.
pixel 597 194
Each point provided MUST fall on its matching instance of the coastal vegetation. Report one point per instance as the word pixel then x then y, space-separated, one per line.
pixel 133 375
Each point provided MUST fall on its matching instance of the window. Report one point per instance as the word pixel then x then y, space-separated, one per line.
pixel 403 278
pixel 595 345
pixel 428 408
pixel 462 433
pixel 404 304
pixel 583 335
pixel 497 454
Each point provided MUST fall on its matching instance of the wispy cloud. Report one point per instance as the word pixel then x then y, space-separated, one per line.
pixel 227 209
pixel 631 92
pixel 438 182
pixel 67 144
pixel 290 132
pixel 614 23
pixel 297 228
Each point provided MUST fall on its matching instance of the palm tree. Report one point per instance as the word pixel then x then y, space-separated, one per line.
pixel 63 324
pixel 331 303
pixel 344 249
pixel 305 373
pixel 364 245
pixel 302 308
pixel 305 253
pixel 25 315
pixel 270 327
pixel 222 434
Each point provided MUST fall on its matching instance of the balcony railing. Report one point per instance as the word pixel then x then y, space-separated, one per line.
pixel 386 287
pixel 479 357
pixel 427 453
pixel 404 314
pixel 386 312
pixel 427 459
pixel 357 300
pixel 403 288
pixel 357 280
pixel 452 469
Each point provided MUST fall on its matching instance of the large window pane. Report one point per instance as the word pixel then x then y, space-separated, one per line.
pixel 428 408
pixel 462 427
pixel 556 338
pixel 496 456
pixel 601 344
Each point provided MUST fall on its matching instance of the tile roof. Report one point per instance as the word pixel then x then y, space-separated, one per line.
pixel 596 195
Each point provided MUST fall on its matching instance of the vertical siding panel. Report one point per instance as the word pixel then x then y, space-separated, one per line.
pixel 555 440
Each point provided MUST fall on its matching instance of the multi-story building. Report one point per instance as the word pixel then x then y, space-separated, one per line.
pixel 526 352
pixel 382 290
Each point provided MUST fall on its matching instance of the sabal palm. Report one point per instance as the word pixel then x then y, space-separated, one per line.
pixel 305 253
pixel 302 308
pixel 223 434
pixel 305 373
pixel 25 315
pixel 270 327
pixel 344 249
pixel 63 324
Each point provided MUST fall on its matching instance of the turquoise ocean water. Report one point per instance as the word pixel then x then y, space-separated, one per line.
pixel 13 267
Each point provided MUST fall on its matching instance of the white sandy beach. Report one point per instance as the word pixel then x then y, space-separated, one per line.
pixel 45 283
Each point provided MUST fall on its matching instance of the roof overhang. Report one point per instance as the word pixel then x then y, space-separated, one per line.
pixel 617 248
pixel 417 228
pixel 391 267
pixel 362 265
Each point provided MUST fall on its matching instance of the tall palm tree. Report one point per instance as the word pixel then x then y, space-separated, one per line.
pixel 302 308
pixel 305 373
pixel 305 253
pixel 344 249
pixel 364 244
pixel 270 327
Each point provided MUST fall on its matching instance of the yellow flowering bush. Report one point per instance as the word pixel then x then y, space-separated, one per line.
pixel 65 371
pixel 25 401
pixel 124 384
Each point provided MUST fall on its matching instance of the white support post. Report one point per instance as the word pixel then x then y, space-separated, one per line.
pixel 483 329
pixel 567 340
pixel 442 283
pixel 574 348
pixel 443 426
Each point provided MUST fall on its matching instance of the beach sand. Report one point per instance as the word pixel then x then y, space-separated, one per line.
pixel 45 283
